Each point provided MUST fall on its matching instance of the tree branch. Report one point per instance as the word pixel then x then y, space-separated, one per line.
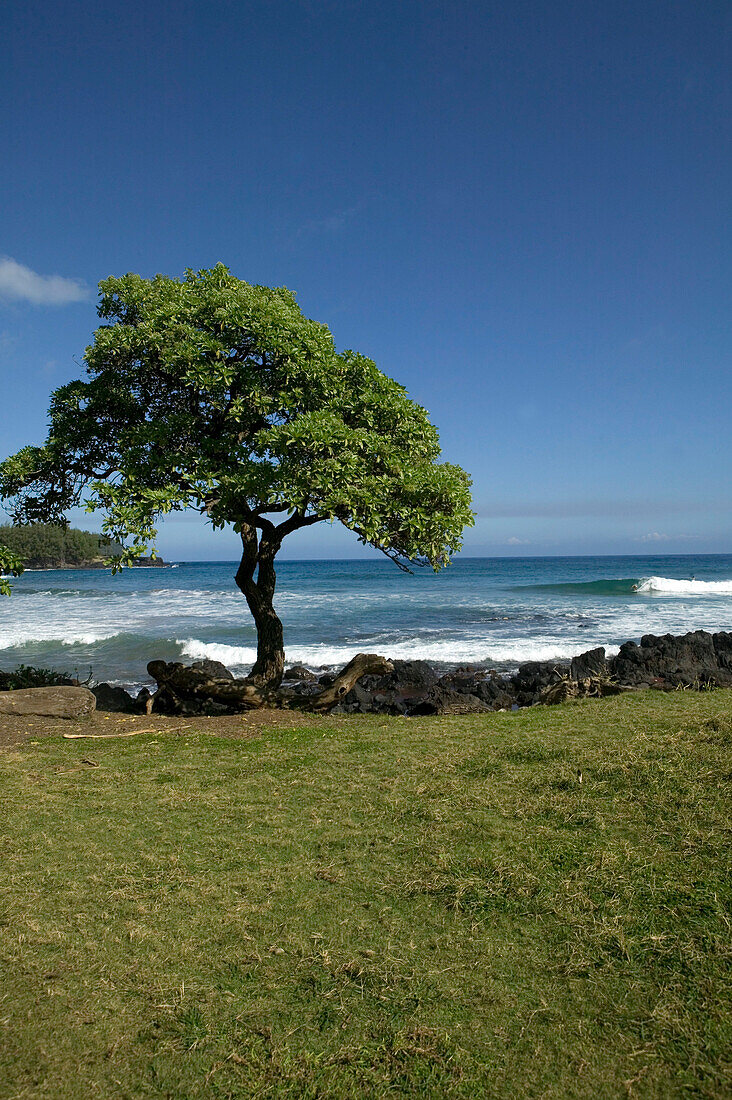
pixel 295 522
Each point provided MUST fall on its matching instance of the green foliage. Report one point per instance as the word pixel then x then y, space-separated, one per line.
pixel 47 545
pixel 26 676
pixel 209 392
pixel 10 566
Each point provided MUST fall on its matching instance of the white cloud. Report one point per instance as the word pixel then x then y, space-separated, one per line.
pixel 513 541
pixel 20 284
pixel 658 536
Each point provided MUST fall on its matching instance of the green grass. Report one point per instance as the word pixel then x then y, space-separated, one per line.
pixel 375 907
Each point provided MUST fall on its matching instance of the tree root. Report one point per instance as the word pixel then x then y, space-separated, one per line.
pixel 184 690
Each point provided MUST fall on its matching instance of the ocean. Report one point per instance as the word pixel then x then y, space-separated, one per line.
pixel 494 612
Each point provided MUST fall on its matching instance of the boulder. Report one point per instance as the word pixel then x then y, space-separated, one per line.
pixel 299 672
pixel 412 675
pixel 463 680
pixel 443 700
pixel 534 677
pixel 213 669
pixel 496 692
pixel 113 699
pixel 49 702
pixel 590 664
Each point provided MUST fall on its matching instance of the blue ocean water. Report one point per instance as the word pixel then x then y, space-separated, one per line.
pixel 495 612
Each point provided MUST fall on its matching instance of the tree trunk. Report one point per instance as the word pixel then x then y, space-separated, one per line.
pixel 258 557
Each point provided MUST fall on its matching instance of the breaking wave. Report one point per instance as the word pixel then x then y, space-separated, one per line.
pixel 669 587
pixel 413 649
pixel 72 637
pixel 634 586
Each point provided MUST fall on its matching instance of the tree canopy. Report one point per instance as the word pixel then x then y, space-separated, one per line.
pixel 211 393
pixel 10 566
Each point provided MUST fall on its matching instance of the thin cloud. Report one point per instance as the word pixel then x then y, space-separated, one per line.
pixel 660 536
pixel 18 283
pixel 513 541
pixel 331 224
pixel 602 508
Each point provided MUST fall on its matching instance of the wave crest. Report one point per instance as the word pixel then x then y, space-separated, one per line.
pixel 670 587
pixel 413 649
pixel 73 637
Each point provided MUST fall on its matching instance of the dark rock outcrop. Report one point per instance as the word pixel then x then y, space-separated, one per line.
pixel 114 699
pixel 497 692
pixel 370 684
pixel 443 700
pixel 534 677
pixel 670 661
pixel 586 665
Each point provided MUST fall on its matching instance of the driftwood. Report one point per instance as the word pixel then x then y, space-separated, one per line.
pixel 589 687
pixel 124 733
pixel 185 690
pixel 363 664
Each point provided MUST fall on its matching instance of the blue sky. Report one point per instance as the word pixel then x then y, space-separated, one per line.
pixel 520 211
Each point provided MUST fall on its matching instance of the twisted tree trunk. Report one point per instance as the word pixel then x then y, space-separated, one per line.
pixel 257 580
pixel 183 690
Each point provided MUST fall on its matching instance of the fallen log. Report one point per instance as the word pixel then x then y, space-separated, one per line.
pixel 186 690
pixel 363 664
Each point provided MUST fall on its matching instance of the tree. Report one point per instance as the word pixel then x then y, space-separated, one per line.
pixel 211 393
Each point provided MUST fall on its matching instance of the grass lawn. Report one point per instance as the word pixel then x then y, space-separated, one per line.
pixel 367 907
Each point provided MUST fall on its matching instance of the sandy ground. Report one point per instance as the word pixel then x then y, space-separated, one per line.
pixel 16 729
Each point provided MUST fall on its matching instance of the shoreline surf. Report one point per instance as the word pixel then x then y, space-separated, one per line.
pixel 494 612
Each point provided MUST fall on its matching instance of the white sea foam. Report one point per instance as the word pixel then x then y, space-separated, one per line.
pixel 123 624
pixel 54 634
pixel 233 655
pixel 669 587
pixel 471 651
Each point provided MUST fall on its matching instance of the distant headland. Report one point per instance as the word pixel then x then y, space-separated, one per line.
pixel 47 546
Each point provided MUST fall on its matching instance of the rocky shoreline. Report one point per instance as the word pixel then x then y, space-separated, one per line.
pixel 697 660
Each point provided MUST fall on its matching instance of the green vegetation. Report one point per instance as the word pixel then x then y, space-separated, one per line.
pixel 49 546
pixel 10 566
pixel 213 394
pixel 27 676
pixel 375 907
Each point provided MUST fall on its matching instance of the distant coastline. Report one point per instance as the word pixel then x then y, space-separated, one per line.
pixel 97 563
pixel 47 546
